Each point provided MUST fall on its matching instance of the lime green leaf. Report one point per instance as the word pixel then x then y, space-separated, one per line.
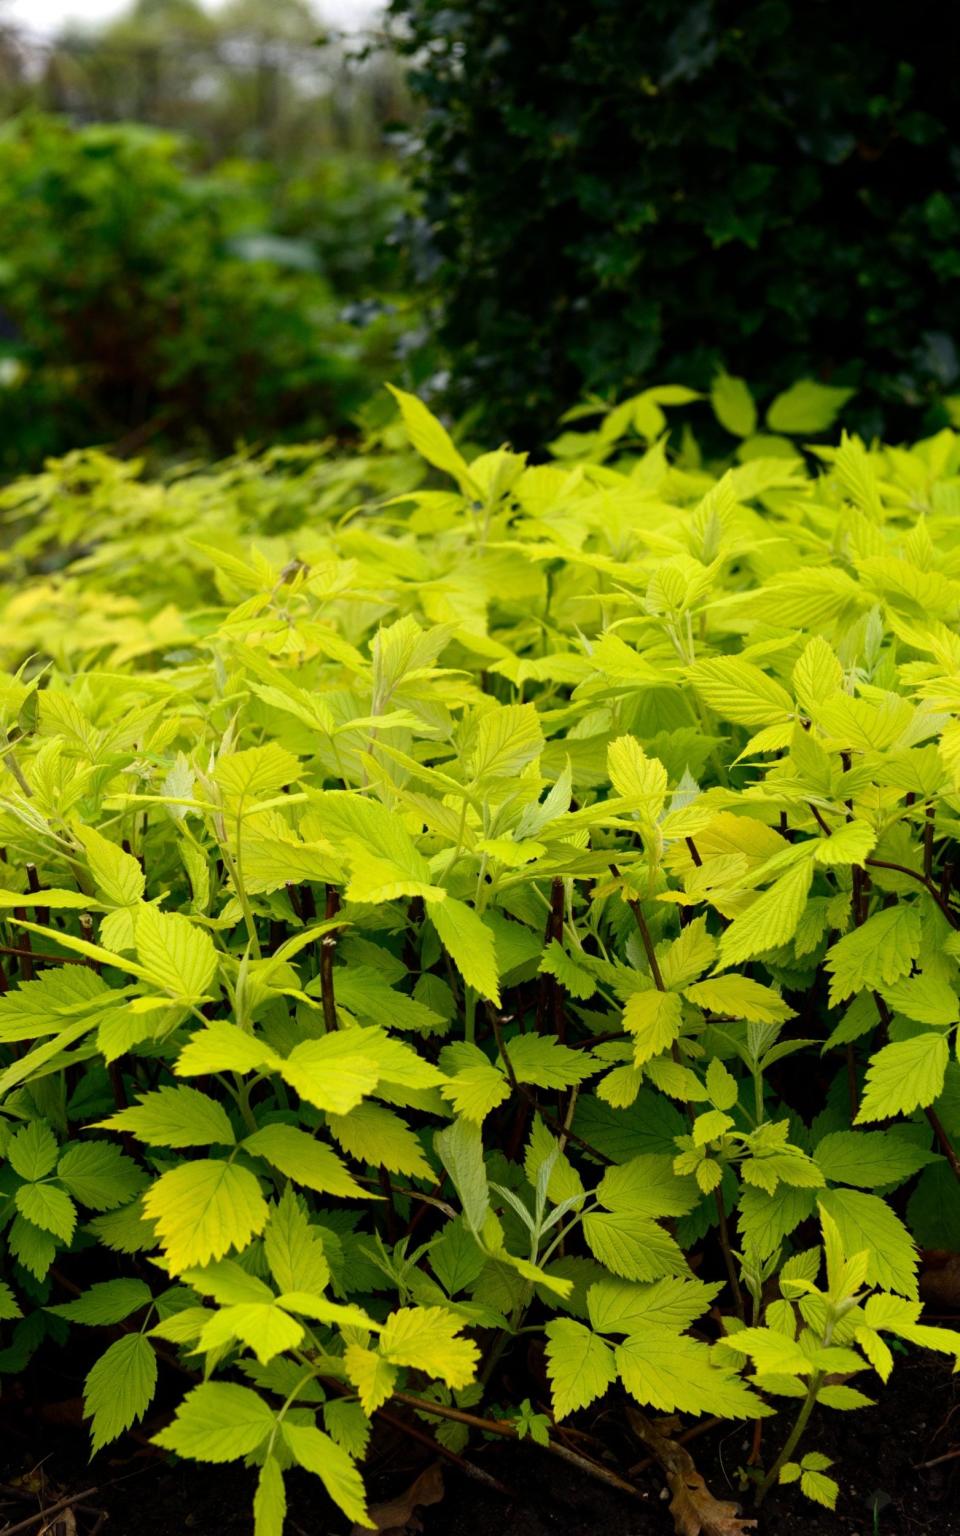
pixel 460 1149
pixel 427 1339
pixel 178 956
pixel 334 1072
pixel 293 1249
pixel 299 1156
pixel 372 1375
pixel 223 1047
pixel 671 1372
pixel 580 1366
pixel 314 1450
pixel 807 407
pixel 270 1500
pixel 870 1159
pixel 771 919
pixel 257 771
pixel 820 1488
pixel 738 690
pixel 119 1388
pixel 733 405
pixel 431 440
pixel 174 1117
pixel 632 1246
pixel 904 1075
pixel 203 1209
pixel 118 876
pixel 542 1060
pixel 865 1222
pixel 109 1302
pixel 376 1135
pixel 653 1020
pixel 620 1306
pixel 739 997
pixel 875 955
pixel 638 778
pixel 218 1421
pixel 470 945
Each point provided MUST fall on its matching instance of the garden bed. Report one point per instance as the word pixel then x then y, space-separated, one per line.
pixel 901 1462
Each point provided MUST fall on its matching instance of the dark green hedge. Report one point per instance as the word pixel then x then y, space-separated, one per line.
pixel 621 189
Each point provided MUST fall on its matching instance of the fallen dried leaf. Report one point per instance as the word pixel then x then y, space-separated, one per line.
pixel 940 1278
pixel 398 1516
pixel 694 1509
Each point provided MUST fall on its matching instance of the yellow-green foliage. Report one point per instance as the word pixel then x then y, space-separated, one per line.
pixel 425 878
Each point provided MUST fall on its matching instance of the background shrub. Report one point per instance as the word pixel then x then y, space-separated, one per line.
pixel 138 296
pixel 649 186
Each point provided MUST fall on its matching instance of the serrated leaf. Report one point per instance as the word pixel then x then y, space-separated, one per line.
pixel 108 1302
pixel 119 1388
pixel 99 1175
pixel 865 1222
pixel 118 876
pixel 293 1249
pixel 739 997
pixel 32 1150
pixel 870 1159
pixel 622 1307
pixel 307 1161
pixel 178 956
pixel 580 1366
pixel 427 1338
pixel 631 1246
pixel 738 690
pixel 174 1117
pixel 904 1075
pixel 314 1450
pixel 470 945
pixel 376 1135
pixel 258 770
pixel 218 1421
pixel 431 440
pixel 203 1209
pixel 671 1372
pixel 49 1208
pixel 653 1020
pixel 372 1375
pixel 270 1500
pixel 770 920
pixel 875 955
pixel 544 1061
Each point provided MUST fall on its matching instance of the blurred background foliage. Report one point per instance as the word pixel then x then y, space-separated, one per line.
pixel 234 224
pixel 201 219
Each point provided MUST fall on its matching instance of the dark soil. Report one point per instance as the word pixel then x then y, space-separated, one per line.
pixel 886 1491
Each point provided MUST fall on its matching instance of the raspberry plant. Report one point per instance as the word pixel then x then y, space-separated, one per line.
pixel 517 902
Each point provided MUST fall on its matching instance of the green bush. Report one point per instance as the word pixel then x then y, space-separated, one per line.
pixel 440 915
pixel 141 298
pixel 771 187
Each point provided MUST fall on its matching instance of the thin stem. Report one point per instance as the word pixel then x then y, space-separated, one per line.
pixel 793 1438
pixel 327 947
pixel 728 1259
pixel 915 874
